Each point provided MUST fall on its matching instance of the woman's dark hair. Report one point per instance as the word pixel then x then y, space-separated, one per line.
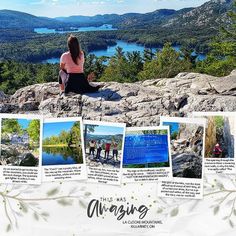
pixel 74 48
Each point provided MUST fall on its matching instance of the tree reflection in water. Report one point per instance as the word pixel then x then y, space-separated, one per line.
pixel 66 153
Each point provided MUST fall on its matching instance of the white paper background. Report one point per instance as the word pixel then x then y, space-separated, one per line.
pixel 194 217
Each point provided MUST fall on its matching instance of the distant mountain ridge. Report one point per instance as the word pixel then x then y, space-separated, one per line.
pixel 209 14
pixel 16 19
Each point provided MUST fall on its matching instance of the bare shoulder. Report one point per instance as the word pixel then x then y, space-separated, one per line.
pixel 65 54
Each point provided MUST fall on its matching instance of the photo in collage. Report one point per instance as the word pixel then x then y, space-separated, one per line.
pixel 63 149
pixel 146 154
pixel 187 137
pixel 20 148
pixel 219 154
pixel 104 143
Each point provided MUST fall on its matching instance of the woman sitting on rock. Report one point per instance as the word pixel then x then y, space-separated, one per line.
pixel 71 76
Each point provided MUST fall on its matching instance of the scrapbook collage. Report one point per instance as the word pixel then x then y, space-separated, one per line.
pixel 117 117
pixel 36 150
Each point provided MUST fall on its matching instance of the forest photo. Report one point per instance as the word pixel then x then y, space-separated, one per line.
pixel 62 143
pixel 220 141
pixel 20 142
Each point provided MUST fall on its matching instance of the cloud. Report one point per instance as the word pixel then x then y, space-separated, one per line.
pixel 38 2
pixel 42 2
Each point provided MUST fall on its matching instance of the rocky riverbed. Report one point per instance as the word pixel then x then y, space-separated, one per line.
pixel 137 104
pixel 17 155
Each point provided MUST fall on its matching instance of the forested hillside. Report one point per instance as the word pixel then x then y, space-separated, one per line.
pixel 22 49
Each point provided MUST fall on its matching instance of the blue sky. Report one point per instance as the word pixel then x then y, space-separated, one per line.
pixel 50 129
pixel 24 123
pixel 107 130
pixel 53 8
pixel 174 126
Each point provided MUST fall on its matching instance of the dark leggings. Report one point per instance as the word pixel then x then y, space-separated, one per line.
pixel 77 83
pixel 91 151
pixel 115 153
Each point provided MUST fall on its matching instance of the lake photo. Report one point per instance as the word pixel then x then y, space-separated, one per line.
pixel 62 143
pixel 62 155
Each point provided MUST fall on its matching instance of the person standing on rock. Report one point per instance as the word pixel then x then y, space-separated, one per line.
pixel 71 76
pixel 115 151
pixel 92 145
pixel 217 151
pixel 107 150
pixel 99 149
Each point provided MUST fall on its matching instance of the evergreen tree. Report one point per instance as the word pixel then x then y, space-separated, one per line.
pixel 168 63
pixel 222 57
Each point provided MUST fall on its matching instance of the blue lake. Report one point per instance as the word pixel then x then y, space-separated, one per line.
pixel 144 149
pixel 61 156
pixel 104 27
pixel 127 47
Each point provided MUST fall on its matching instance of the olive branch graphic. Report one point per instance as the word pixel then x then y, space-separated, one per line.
pixel 15 205
pixel 222 198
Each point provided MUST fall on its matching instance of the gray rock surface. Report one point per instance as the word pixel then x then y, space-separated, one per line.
pixel 137 104
pixel 15 155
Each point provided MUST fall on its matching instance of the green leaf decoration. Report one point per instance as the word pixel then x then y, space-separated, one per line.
pixel 73 190
pixel 87 194
pixel 231 223
pixel 9 228
pixel 65 202
pixel 216 209
pixel 36 217
pixel 82 204
pixel 235 212
pixel 45 214
pixel 23 207
pixel 52 192
pixel 220 185
pixel 159 210
pixel 174 212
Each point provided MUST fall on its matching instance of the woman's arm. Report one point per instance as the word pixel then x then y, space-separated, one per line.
pixel 62 66
pixel 82 57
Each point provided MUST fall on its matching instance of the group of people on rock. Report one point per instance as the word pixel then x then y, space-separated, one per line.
pixel 98 147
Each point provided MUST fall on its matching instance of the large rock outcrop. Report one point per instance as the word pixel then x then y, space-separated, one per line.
pixel 137 104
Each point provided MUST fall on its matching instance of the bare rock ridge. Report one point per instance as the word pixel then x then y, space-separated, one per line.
pixel 140 103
